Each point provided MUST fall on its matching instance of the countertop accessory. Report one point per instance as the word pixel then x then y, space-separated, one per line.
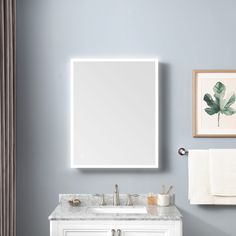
pixel 74 202
pixel 151 199
pixel 164 196
pixel 129 199
pixel 163 199
pixel 169 189
pixel 163 189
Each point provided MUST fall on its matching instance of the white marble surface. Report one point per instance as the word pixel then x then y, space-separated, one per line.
pixel 64 211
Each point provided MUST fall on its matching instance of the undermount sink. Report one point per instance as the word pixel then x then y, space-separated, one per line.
pixel 117 210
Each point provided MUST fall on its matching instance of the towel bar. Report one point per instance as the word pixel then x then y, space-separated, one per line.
pixel 182 152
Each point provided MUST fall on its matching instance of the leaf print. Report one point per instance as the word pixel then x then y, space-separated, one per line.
pixel 218 105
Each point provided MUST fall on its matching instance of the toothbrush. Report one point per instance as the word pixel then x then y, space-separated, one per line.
pixel 163 189
pixel 169 189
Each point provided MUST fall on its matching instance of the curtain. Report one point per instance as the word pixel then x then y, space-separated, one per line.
pixel 7 118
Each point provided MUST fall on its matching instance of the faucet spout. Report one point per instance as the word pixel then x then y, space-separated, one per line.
pixel 116 196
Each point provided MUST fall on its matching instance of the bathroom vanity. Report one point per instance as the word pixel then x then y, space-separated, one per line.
pixel 90 219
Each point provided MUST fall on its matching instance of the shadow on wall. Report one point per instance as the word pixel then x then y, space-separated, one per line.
pixel 194 226
pixel 164 128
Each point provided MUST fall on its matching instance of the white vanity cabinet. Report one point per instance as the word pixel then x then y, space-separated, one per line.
pixel 90 219
pixel 116 228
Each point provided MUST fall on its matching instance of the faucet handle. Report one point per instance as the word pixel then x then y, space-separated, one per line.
pixel 129 201
pixel 102 202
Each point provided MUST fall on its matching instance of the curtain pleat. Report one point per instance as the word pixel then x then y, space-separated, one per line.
pixel 7 118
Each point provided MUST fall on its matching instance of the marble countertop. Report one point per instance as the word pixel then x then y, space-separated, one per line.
pixel 64 211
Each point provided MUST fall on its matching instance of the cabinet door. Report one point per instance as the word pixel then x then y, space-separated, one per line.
pixel 138 232
pixel 76 228
pixel 150 228
pixel 87 232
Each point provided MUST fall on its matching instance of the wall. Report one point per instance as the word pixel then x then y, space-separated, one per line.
pixel 184 35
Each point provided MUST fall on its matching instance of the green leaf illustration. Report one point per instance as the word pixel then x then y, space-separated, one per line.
pixel 231 101
pixel 219 89
pixel 218 105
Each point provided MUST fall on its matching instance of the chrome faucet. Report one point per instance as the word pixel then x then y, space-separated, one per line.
pixel 116 196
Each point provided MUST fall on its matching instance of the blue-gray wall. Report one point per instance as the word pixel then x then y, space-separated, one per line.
pixel 184 35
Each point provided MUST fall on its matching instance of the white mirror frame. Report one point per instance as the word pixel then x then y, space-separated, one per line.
pixel 72 62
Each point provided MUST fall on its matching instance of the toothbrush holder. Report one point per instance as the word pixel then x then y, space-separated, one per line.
pixel 163 199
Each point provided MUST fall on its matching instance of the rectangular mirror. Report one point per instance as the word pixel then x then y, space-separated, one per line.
pixel 114 113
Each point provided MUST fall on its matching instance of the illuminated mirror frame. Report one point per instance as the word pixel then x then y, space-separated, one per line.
pixel 72 62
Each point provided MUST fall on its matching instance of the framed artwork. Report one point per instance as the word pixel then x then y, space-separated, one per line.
pixel 214 103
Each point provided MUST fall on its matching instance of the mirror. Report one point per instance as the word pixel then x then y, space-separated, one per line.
pixel 114 113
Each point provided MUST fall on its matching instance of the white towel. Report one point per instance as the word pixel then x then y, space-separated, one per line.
pixel 199 181
pixel 222 165
pixel 199 187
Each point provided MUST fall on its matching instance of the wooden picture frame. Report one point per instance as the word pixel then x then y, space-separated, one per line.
pixel 213 103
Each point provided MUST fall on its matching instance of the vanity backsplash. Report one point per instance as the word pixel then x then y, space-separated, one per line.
pixel 95 199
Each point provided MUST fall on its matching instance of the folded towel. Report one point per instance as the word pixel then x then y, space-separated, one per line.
pixel 222 166
pixel 198 185
pixel 199 181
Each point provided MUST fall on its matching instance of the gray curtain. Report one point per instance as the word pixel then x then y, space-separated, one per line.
pixel 7 119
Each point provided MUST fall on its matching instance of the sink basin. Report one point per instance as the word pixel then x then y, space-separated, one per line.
pixel 117 210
